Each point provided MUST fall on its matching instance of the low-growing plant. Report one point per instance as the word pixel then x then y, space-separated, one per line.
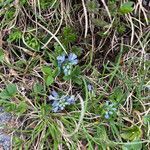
pixel 75 74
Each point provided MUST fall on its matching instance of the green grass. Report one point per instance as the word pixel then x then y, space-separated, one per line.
pixel 112 44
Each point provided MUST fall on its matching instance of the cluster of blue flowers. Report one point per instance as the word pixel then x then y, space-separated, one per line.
pixel 60 102
pixel 90 87
pixel 66 62
pixel 110 109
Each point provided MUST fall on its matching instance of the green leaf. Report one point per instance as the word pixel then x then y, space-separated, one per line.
pixel 77 50
pixel 16 108
pixel 69 35
pixel 75 76
pixel 15 35
pixel 21 108
pixel 131 133
pixel 102 137
pixel 17 142
pixel 132 146
pixel 9 106
pixel 32 42
pixel 48 75
pixel 126 8
pixel 58 49
pixel 77 80
pixel 101 130
pixel 45 4
pixel 47 70
pixel 23 2
pixel 92 6
pixel 11 89
pixel 56 72
pixel 147 119
pixel 121 29
pixel 117 95
pixel 38 88
pixel 10 13
pixel 67 78
pixel 49 80
pixel 76 71
pixel 99 22
pixel 5 2
pixel 1 55
pixel 45 109
pixel 4 94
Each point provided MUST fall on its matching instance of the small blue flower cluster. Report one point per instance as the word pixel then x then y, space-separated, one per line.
pixel 110 109
pixel 60 102
pixel 90 87
pixel 66 63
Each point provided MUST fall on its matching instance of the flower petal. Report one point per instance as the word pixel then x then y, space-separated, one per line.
pixel 90 87
pixel 55 94
pixel 61 58
pixel 55 103
pixel 114 109
pixel 71 99
pixel 107 115
pixel 72 56
pixel 74 62
pixel 50 97
pixel 107 103
pixel 110 112
pixel 55 109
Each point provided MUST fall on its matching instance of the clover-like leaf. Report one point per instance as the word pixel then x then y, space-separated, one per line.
pixel 126 8
pixel 131 133
pixel 9 91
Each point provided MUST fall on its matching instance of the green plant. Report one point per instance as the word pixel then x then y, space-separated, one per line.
pixel 126 8
pixel 15 36
pixel 94 55
pixel 8 92
pixel 32 42
pixel 48 75
pixel 132 133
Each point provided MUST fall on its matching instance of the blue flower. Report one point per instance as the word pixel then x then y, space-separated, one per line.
pixel 70 99
pixel 107 115
pixel 72 58
pixel 66 63
pixel 114 109
pixel 90 87
pixel 107 103
pixel 53 96
pixel 110 109
pixel 61 59
pixel 60 102
pixel 67 69
pixel 59 105
pixel 110 112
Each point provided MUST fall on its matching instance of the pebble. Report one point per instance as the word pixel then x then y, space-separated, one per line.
pixel 5 140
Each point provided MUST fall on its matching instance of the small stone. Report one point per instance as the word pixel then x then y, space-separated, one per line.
pixel 5 141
